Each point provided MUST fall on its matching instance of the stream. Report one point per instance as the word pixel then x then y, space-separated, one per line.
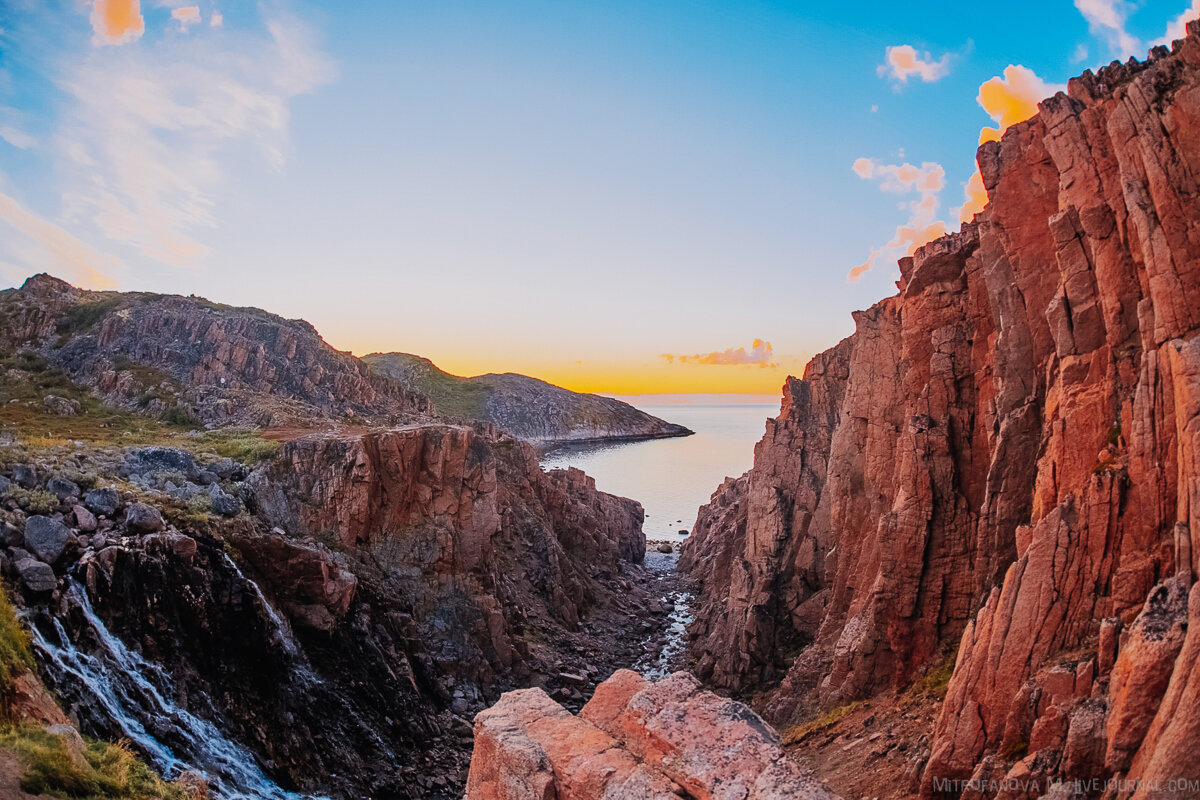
pixel 664 649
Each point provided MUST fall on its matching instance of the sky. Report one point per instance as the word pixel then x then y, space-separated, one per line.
pixel 622 197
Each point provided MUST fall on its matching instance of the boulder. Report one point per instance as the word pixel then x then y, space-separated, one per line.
pixel 29 700
pixel 62 406
pixel 37 576
pixel 102 501
pixel 24 476
pixel 85 521
pixel 662 741
pixel 46 538
pixel 65 490
pixel 147 461
pixel 224 503
pixel 141 518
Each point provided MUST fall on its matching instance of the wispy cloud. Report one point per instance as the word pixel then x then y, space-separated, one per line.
pixel 116 21
pixel 142 141
pixel 1008 99
pixel 186 16
pixel 904 61
pixel 50 247
pixel 760 354
pixel 1177 27
pixel 922 227
pixel 1108 19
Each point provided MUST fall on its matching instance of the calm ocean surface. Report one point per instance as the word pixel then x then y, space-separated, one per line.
pixel 672 478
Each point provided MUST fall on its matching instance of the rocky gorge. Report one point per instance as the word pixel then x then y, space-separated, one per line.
pixel 996 472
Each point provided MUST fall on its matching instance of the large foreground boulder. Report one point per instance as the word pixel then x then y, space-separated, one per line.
pixel 633 740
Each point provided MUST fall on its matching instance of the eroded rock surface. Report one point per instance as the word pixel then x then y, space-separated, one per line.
pixel 1002 458
pixel 668 740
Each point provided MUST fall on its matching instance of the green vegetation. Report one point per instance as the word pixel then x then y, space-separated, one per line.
pixel 83 316
pixel 458 398
pixel 106 771
pixel 1114 435
pixel 1015 749
pixel 936 681
pixel 35 501
pixel 240 444
pixel 827 720
pixel 15 655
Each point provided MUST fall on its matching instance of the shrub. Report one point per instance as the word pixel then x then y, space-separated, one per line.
pixel 827 720
pixel 83 316
pixel 35 501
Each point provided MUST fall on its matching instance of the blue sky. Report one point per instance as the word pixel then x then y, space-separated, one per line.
pixel 571 190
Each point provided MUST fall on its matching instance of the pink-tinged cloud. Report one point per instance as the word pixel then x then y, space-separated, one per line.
pixel 922 227
pixel 186 16
pixel 116 21
pixel 60 252
pixel 1008 99
pixel 216 19
pixel 760 354
pixel 904 61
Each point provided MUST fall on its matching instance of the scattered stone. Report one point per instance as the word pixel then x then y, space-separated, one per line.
pixel 85 520
pixel 61 406
pixel 149 460
pixel 46 538
pixel 224 503
pixel 5 483
pixel 665 548
pixel 141 518
pixel 102 501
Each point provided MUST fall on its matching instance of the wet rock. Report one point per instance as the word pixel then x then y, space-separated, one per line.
pixel 46 538
pixel 141 518
pixel 102 501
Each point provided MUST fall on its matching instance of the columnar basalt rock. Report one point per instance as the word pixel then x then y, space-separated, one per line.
pixel 668 740
pixel 1008 457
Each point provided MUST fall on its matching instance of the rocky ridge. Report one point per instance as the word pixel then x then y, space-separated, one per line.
pixel 1000 459
pixel 524 407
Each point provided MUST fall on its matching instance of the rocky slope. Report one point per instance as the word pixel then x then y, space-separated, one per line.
pixel 318 616
pixel 186 357
pixel 525 407
pixel 1001 459
pixel 669 740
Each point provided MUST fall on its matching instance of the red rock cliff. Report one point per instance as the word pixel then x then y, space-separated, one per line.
pixel 1004 453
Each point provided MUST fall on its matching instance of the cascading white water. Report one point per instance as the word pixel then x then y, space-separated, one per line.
pixel 659 662
pixel 135 695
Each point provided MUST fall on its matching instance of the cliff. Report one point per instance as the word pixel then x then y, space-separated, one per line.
pixel 189 358
pixel 1001 459
pixel 525 407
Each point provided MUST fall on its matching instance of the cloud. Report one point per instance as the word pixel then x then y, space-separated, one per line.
pixel 16 137
pixel 116 21
pixel 1107 18
pixel 57 250
pixel 760 353
pixel 1008 99
pixel 904 61
pixel 922 227
pixel 1177 28
pixel 216 19
pixel 147 129
pixel 186 16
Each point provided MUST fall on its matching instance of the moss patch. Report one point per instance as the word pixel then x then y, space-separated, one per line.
pixel 827 720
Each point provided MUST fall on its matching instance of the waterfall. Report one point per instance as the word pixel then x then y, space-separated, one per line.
pixel 135 695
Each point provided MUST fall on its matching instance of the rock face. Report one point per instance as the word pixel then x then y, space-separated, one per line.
pixel 1004 457
pixel 524 407
pixel 664 741
pixel 181 356
pixel 467 527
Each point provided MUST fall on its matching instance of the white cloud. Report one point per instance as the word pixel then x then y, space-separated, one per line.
pixel 927 181
pixel 142 144
pixel 904 61
pixel 1177 28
